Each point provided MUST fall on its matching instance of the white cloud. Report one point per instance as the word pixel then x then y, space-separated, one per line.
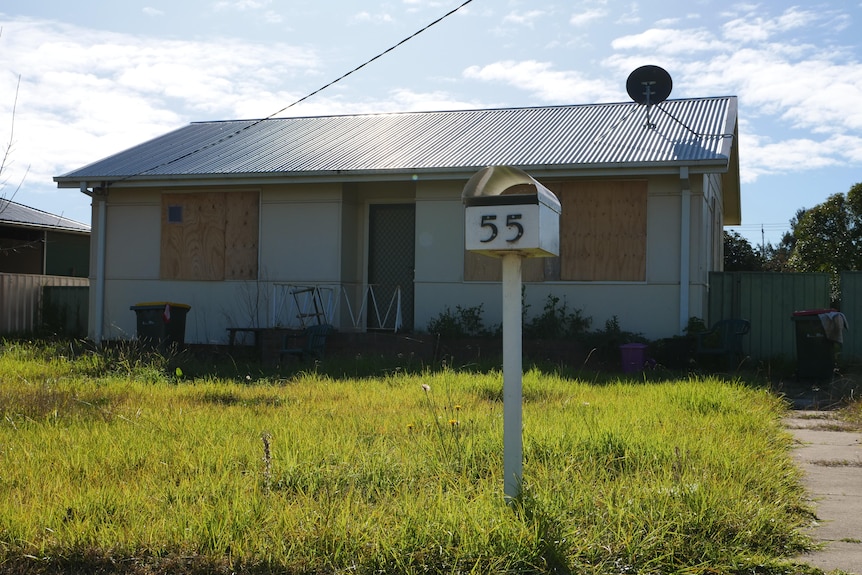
pixel 84 96
pixel 527 19
pixel 669 41
pixel 848 147
pixel 425 3
pixel 630 15
pixel 364 17
pixel 242 5
pixel 793 155
pixel 543 81
pixel 751 28
pixel 273 17
pixel 781 76
pixel 809 92
pixel 587 16
pixel 813 93
pixel 410 100
pixel 86 93
pixel 150 11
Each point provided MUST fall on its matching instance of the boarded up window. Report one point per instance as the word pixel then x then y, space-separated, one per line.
pixel 209 236
pixel 602 236
pixel 603 230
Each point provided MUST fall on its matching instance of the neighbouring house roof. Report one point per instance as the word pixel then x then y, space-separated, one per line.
pixel 21 216
pixel 699 134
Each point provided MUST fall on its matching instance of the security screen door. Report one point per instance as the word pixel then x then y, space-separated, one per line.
pixel 391 260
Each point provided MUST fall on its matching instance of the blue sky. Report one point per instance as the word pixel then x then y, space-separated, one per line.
pixel 99 76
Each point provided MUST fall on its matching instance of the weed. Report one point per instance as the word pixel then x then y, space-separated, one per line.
pixel 463 322
pixel 267 461
pixel 448 427
pixel 143 472
pixel 837 463
pixel 556 321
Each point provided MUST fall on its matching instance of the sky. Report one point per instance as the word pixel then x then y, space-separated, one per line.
pixel 82 80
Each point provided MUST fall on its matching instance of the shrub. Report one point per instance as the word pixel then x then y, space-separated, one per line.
pixel 556 322
pixel 463 322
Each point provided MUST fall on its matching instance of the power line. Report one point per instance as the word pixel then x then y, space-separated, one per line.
pixel 760 229
pixel 306 97
pixel 369 61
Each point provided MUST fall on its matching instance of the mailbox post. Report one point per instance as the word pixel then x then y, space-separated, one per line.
pixel 510 215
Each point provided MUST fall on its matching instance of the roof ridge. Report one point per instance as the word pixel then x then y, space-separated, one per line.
pixel 453 111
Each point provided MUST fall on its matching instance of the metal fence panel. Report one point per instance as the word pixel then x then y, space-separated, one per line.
pixel 768 301
pixel 721 297
pixel 65 309
pixel 21 299
pixel 851 306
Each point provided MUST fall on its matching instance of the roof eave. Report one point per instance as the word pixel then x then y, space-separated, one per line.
pixel 42 227
pixel 719 165
pixel 731 187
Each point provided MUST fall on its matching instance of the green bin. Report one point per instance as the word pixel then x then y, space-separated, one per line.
pixel 161 324
pixel 815 354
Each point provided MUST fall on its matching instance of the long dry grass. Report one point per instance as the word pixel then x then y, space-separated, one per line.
pixel 150 472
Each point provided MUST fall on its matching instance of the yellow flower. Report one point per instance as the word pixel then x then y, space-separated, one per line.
pixel 410 426
pixel 457 407
pixel 453 422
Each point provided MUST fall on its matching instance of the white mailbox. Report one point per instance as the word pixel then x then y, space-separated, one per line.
pixel 510 215
pixel 507 211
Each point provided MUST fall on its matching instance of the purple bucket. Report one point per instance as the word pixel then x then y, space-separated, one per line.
pixel 634 357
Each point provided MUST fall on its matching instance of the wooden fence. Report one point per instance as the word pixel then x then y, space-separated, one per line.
pixel 768 300
pixel 24 298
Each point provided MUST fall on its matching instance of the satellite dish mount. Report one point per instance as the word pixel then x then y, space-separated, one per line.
pixel 649 85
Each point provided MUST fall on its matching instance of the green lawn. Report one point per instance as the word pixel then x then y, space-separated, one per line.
pixel 128 466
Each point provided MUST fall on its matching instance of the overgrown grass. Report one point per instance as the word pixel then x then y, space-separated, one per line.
pixel 145 470
pixel 851 414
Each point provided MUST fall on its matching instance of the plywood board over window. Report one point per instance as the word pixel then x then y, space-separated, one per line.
pixel 209 236
pixel 241 235
pixel 603 229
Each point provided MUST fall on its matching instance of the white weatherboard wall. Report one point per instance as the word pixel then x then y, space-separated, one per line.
pixel 132 275
pixel 300 234
pixel 317 233
pixel 650 307
pixel 300 243
pixel 439 234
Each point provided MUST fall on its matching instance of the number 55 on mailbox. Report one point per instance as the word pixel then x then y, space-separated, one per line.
pixel 508 211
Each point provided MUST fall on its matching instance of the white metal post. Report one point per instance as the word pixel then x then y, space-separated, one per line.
pixel 101 239
pixel 512 227
pixel 684 251
pixel 512 375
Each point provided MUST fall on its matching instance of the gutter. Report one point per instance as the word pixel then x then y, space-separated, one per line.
pixel 401 175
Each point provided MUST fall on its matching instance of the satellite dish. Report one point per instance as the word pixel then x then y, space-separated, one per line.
pixel 649 85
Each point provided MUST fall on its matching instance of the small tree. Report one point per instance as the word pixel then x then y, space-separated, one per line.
pixel 777 258
pixel 6 153
pixel 828 237
pixel 739 255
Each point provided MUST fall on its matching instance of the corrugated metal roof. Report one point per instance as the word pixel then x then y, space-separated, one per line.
pixel 19 215
pixel 676 132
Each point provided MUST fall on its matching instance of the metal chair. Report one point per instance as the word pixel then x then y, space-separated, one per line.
pixel 312 342
pixel 724 338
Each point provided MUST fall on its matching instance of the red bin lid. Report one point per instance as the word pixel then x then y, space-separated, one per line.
pixel 812 312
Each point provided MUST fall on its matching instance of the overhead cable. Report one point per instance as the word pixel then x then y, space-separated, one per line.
pixel 369 61
pixel 307 96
